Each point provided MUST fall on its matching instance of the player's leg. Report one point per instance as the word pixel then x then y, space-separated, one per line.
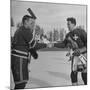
pixel 74 77
pixel 15 66
pixel 84 73
pixel 84 77
pixel 20 86
pixel 74 72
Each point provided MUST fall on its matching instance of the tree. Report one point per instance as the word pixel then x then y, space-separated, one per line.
pixel 81 26
pixel 37 30
pixel 55 35
pixel 62 34
pixel 50 35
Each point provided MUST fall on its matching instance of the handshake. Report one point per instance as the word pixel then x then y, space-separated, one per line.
pixel 50 45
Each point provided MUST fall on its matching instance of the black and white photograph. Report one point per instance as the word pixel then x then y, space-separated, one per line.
pixel 48 44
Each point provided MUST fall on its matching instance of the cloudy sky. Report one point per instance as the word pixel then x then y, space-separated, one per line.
pixel 49 15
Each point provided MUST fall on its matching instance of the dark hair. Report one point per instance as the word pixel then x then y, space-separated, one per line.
pixel 72 20
pixel 26 17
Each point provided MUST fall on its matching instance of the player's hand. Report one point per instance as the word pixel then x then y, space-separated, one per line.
pixel 50 45
pixel 68 54
pixel 34 53
pixel 76 52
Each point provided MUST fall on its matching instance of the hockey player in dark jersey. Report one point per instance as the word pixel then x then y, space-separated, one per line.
pixel 22 48
pixel 76 40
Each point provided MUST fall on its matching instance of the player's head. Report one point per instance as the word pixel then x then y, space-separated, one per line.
pixel 71 23
pixel 28 21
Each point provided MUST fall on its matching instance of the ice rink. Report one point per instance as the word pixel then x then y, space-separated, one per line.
pixel 52 68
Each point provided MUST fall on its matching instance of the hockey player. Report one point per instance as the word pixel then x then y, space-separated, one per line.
pixel 22 44
pixel 76 40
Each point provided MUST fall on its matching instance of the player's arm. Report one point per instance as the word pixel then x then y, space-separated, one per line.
pixel 59 45
pixel 84 39
pixel 62 44
pixel 28 37
pixel 84 48
pixel 40 46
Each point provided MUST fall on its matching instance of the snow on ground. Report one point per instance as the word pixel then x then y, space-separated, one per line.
pixel 50 69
